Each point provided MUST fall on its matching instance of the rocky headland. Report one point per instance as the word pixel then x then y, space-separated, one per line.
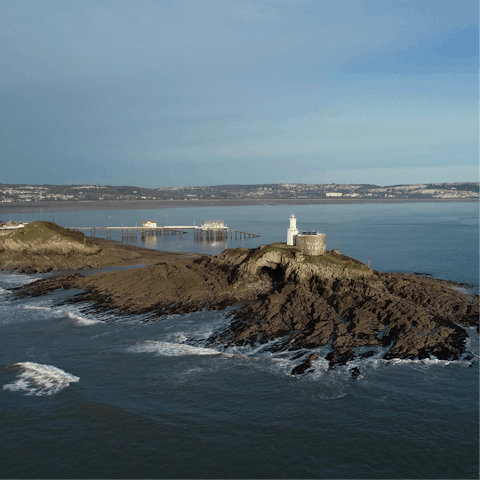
pixel 44 246
pixel 278 294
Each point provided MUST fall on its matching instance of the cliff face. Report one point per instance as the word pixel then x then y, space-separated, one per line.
pixel 290 264
pixel 302 302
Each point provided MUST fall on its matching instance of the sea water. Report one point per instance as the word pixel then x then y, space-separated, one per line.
pixel 87 394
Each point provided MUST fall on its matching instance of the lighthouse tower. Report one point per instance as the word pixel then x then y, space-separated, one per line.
pixel 292 232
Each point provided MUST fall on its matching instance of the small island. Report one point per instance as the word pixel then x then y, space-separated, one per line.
pixel 276 291
pixel 42 246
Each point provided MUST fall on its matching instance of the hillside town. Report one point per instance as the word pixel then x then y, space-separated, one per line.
pixel 17 193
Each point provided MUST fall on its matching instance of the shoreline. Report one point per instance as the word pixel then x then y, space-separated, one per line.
pixel 278 294
pixel 95 205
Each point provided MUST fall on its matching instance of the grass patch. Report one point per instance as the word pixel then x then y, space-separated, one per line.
pixel 287 250
pixel 43 232
pixel 233 252
pixel 336 259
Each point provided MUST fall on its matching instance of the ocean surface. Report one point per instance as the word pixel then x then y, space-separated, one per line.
pixel 89 395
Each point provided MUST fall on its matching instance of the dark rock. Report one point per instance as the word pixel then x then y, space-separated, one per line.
pixel 298 355
pixel 340 356
pixel 301 369
pixel 368 354
pixel 306 366
pixel 28 270
pixel 355 372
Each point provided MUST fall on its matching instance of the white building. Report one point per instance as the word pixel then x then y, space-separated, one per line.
pixel 334 194
pixel 149 223
pixel 213 224
pixel 292 232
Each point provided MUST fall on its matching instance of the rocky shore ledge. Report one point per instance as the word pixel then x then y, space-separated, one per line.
pixel 302 302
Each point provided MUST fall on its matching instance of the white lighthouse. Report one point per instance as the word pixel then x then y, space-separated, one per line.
pixel 292 232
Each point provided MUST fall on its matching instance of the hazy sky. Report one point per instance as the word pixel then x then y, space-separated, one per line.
pixel 201 92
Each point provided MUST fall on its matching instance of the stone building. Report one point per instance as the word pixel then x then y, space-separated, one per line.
pixel 309 243
pixel 312 243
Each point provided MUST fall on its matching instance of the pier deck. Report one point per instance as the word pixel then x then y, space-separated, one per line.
pixel 199 231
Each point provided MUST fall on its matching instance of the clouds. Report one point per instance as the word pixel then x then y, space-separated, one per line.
pixel 174 87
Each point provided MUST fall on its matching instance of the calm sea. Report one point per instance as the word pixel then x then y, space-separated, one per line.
pixel 87 395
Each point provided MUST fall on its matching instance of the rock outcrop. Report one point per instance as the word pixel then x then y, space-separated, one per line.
pixel 310 304
pixel 44 246
pixel 301 302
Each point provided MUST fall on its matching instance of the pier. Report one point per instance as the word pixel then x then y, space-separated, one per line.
pixel 210 230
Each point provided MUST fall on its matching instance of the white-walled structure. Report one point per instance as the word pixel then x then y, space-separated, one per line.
pixel 213 224
pixel 149 223
pixel 292 232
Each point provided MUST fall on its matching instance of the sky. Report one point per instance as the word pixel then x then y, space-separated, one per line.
pixel 205 92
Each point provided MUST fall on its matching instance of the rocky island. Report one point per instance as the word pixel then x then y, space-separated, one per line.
pixel 276 291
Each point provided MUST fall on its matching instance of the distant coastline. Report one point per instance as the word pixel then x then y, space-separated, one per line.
pixel 62 206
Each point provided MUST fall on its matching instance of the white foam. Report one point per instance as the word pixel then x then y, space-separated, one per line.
pixel 465 290
pixel 42 310
pixel 75 313
pixel 423 361
pixel 180 337
pixel 40 380
pixel 15 313
pixel 16 279
pixel 266 357
pixel 103 334
pixel 168 349
pixel 253 356
pixel 33 307
pixel 3 291
pixel 81 320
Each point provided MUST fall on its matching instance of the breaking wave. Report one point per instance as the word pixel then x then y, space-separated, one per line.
pixel 423 361
pixel 71 312
pixel 82 321
pixel 271 356
pixel 170 349
pixel 34 307
pixel 17 279
pixel 40 380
